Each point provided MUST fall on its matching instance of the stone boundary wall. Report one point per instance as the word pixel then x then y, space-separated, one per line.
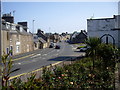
pixel 38 72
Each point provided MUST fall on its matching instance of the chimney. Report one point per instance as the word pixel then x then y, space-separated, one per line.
pixel 24 24
pixel 8 18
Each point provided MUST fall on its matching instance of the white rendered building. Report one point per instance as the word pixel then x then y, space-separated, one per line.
pixel 108 26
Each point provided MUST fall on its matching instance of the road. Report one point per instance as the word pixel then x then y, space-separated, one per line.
pixel 43 57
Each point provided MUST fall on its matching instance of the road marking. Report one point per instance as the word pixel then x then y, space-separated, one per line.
pixel 17 76
pixel 45 55
pixel 34 70
pixel 19 63
pixel 35 55
pixel 23 57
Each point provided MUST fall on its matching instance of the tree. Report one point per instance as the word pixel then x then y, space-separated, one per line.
pixel 92 43
pixel 107 53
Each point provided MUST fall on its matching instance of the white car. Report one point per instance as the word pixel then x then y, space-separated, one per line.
pixel 83 49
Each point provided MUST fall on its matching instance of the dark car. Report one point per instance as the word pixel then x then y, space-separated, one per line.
pixel 57 47
pixel 51 46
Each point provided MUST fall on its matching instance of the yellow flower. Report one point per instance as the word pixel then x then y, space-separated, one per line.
pixel 66 70
pixel 90 75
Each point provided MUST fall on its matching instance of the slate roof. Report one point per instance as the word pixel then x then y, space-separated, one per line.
pixel 41 40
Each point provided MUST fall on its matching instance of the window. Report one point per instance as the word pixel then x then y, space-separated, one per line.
pixel 11 48
pixel 35 37
pixel 17 49
pixel 13 27
pixel 7 26
pixel 35 45
pixel 7 50
pixel 21 29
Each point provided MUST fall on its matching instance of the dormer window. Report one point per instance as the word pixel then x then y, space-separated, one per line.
pixel 21 29
pixel 13 27
pixel 7 26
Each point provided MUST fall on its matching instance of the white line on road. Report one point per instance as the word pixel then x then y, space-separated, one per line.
pixel 44 54
pixel 35 55
pixel 17 64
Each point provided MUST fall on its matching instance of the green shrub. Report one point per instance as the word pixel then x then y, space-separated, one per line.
pixel 77 75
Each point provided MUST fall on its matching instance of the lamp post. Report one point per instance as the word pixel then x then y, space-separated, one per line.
pixel 33 26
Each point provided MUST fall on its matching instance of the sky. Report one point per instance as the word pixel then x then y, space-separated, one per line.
pixel 59 17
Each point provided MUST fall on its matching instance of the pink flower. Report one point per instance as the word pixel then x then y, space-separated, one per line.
pixel 59 77
pixel 62 75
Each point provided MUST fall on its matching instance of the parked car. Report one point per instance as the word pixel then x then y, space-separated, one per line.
pixel 84 49
pixel 51 45
pixel 57 47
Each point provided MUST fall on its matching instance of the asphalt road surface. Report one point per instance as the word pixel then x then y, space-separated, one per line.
pixel 34 60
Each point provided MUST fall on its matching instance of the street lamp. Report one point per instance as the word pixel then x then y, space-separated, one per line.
pixel 33 26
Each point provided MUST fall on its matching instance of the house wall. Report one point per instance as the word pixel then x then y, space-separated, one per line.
pixel 101 33
pixel 99 27
pixel 36 45
pixel 26 43
pixel 15 43
pixel 4 41
pixel 15 38
pixel 10 42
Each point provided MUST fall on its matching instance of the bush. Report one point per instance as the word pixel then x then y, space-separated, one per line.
pixel 76 75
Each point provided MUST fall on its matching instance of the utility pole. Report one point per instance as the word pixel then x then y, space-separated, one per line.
pixel 14 14
pixel 33 26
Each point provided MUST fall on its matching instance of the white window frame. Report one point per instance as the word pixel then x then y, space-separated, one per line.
pixel 17 48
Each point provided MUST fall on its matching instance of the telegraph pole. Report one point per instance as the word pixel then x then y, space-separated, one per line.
pixel 33 26
pixel 14 15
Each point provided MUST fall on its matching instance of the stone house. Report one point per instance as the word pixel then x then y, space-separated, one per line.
pixel 43 43
pixel 15 38
pixel 26 40
pixel 55 37
pixel 9 38
pixel 44 40
pixel 36 42
pixel 65 36
pixel 78 37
